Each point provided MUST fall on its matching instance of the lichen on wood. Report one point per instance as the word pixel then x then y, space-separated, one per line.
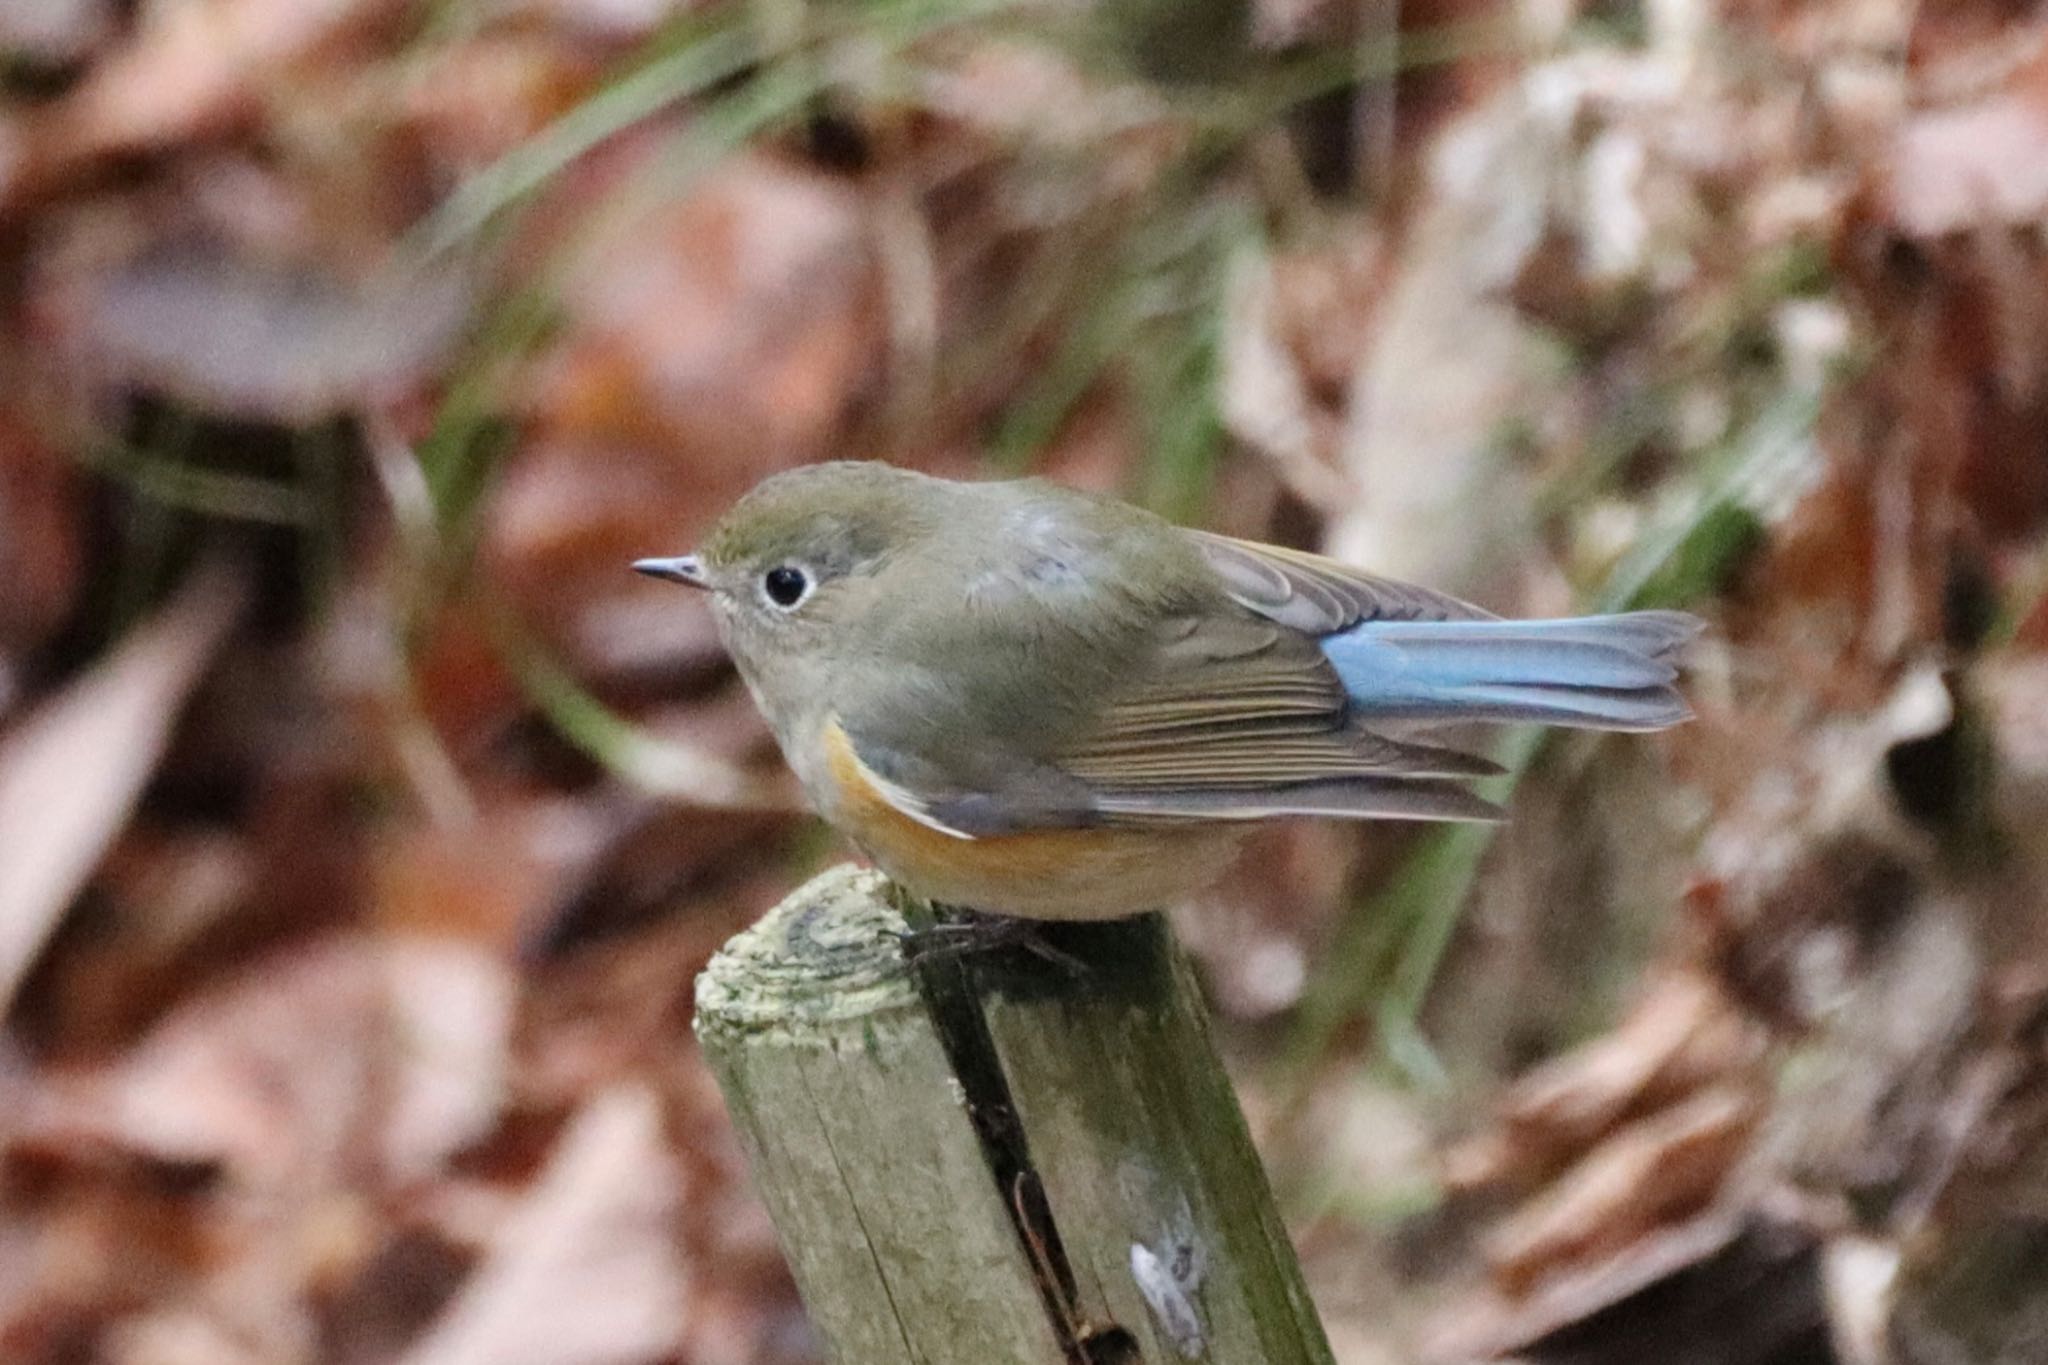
pixel 999 1156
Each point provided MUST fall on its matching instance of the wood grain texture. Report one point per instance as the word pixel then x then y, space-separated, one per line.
pixel 1137 1137
pixel 859 1140
pixel 1015 1156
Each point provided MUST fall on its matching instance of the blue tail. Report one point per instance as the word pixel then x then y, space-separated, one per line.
pixel 1592 672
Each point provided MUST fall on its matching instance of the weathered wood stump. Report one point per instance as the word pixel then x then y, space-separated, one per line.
pixel 1001 1156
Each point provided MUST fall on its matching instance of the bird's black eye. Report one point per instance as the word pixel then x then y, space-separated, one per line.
pixel 785 585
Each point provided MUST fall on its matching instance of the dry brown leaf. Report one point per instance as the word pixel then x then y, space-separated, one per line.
pixel 41 539
pixel 1656 1171
pixel 1265 398
pixel 1978 164
pixel 1688 1292
pixel 394 1051
pixel 1682 1034
pixel 53 32
pixel 1955 169
pixel 612 20
pixel 587 1272
pixel 194 68
pixel 480 100
pixel 271 1076
pixel 1452 365
pixel 70 774
pixel 481 878
pixel 734 327
pixel 178 1337
pixel 225 1178
pixel 205 324
pixel 451 1020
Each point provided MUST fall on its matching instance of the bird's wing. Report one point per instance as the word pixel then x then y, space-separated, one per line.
pixel 1242 718
pixel 1316 595
pixel 1233 718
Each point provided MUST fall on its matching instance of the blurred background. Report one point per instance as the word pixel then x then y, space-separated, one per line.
pixel 364 821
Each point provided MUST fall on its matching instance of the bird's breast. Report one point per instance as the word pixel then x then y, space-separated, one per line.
pixel 1060 874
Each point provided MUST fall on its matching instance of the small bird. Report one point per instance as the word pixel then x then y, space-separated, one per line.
pixel 1028 700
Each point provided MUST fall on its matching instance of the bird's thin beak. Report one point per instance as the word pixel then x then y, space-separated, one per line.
pixel 681 569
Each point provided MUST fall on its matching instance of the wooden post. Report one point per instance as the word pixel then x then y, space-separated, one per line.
pixel 1003 1157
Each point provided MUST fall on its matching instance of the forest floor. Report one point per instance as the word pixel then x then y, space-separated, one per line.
pixel 364 822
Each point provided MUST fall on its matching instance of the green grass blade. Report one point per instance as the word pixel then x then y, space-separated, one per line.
pixel 648 760
pixel 720 55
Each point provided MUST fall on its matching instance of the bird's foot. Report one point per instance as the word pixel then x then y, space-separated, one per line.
pixel 971 933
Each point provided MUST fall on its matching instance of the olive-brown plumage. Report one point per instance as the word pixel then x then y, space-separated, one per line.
pixel 1037 701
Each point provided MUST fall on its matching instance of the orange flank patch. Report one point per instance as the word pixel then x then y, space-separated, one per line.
pixel 1098 873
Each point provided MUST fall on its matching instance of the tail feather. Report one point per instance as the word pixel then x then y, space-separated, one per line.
pixel 1590 672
